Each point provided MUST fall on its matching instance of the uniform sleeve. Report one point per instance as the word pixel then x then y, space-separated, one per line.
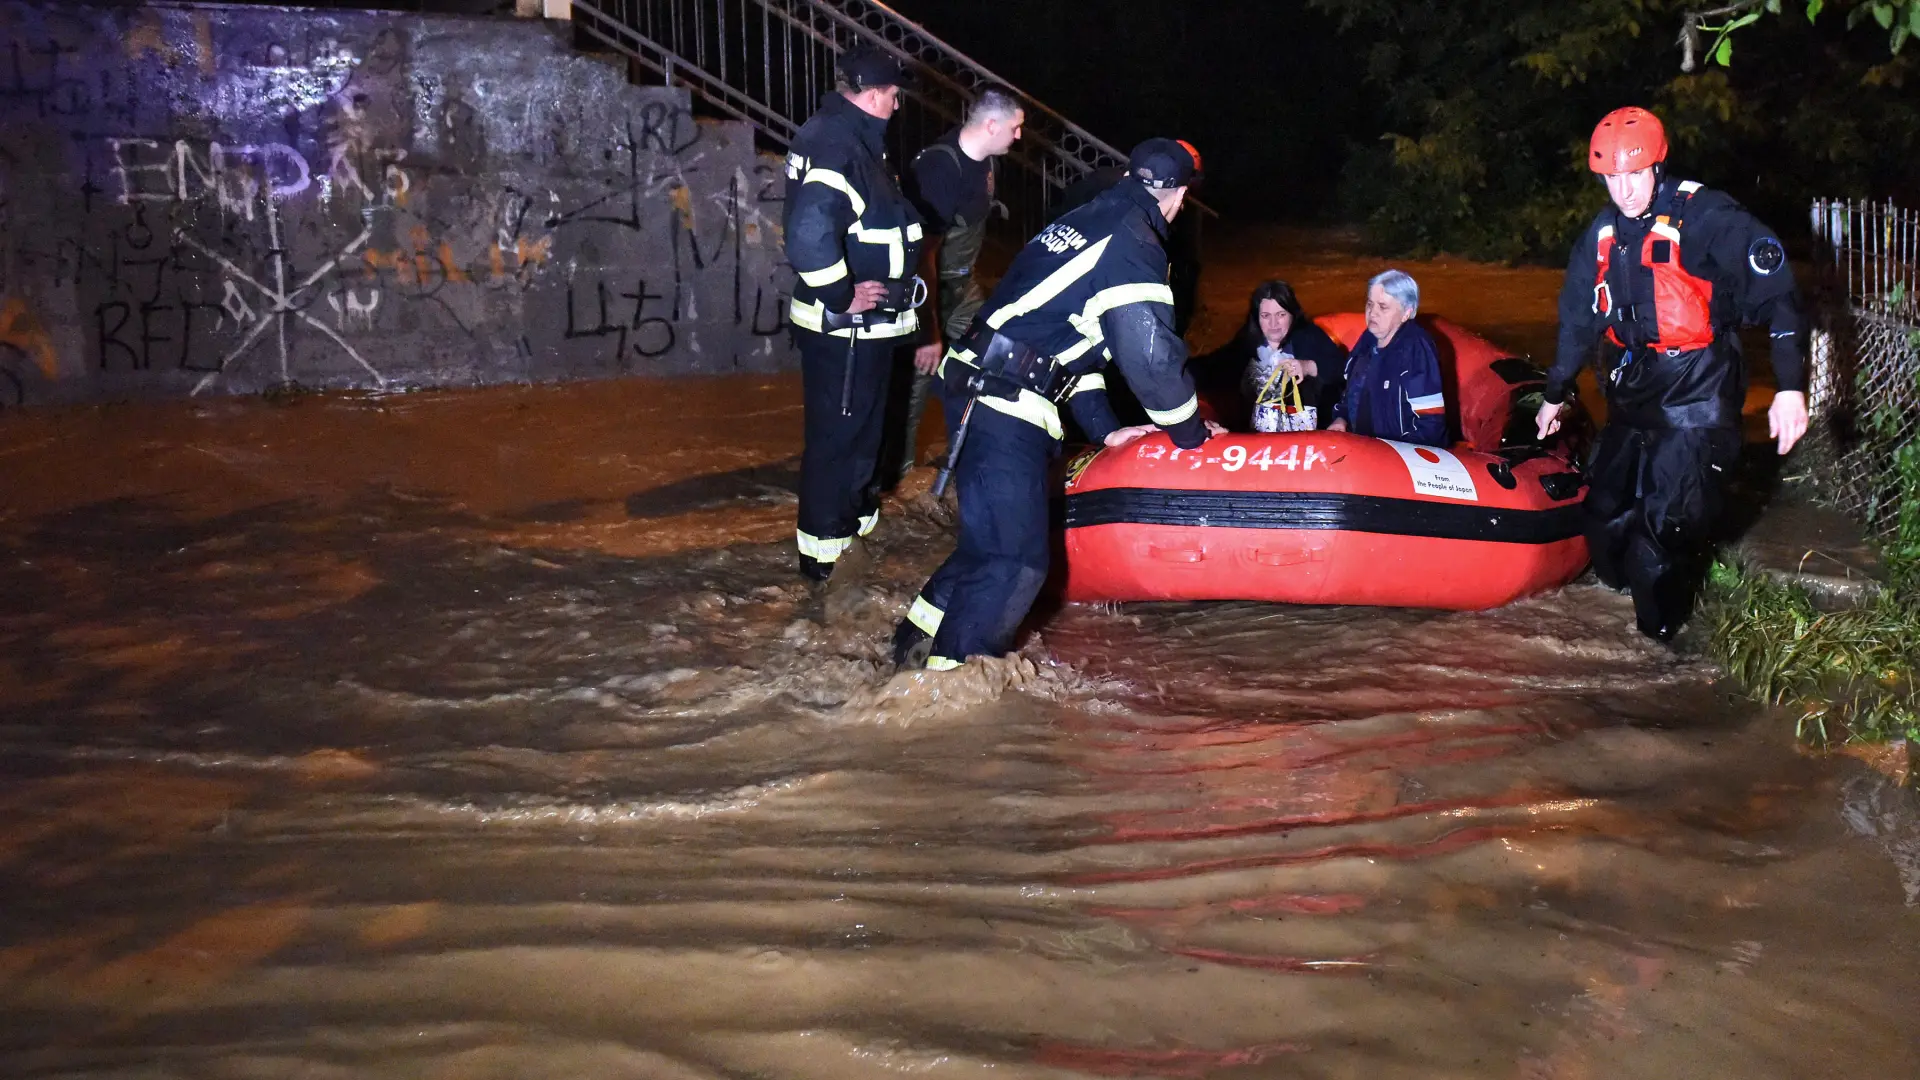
pixel 1426 394
pixel 822 207
pixel 936 184
pixel 1091 408
pixel 1154 361
pixel 1580 325
pixel 1136 319
pixel 1741 249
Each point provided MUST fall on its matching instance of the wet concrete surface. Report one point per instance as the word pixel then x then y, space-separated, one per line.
pixel 1800 542
pixel 492 734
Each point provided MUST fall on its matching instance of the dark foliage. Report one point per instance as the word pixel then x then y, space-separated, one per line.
pixel 1488 104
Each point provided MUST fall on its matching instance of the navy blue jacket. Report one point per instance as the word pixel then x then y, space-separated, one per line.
pixel 1395 392
pixel 846 220
pixel 1091 289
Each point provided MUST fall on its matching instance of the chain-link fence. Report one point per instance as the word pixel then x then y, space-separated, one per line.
pixel 1864 391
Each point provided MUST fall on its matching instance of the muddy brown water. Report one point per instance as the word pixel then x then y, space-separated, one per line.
pixel 491 734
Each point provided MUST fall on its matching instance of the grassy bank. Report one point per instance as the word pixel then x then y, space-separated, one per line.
pixel 1851 675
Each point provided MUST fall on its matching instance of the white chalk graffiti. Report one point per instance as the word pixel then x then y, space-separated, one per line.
pixel 281 301
pixel 234 176
pixel 346 144
pixel 351 312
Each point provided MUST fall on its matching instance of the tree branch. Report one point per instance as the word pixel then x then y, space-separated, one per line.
pixel 1690 26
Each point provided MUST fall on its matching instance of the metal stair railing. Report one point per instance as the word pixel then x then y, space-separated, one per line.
pixel 769 62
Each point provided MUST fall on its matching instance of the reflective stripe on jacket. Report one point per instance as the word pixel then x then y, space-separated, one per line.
pixel 1092 288
pixel 846 220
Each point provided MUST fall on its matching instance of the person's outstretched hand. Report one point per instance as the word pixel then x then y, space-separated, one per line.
pixel 1547 420
pixel 1787 418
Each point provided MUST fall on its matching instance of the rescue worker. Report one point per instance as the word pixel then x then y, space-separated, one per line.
pixel 1089 289
pixel 1182 244
pixel 1662 281
pixel 953 186
pixel 853 239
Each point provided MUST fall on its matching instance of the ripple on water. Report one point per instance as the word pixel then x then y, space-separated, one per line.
pixel 506 809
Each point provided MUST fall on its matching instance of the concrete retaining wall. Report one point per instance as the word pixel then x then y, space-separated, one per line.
pixel 209 199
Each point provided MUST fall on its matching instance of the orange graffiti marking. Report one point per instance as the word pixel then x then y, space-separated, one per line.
pixel 20 328
pixel 535 252
pixel 452 269
pixel 428 259
pixel 203 38
pixel 145 37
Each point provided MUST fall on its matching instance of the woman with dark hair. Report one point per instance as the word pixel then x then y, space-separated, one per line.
pixel 1277 334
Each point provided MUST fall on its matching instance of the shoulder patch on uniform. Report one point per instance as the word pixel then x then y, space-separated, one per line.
pixel 1059 237
pixel 1766 256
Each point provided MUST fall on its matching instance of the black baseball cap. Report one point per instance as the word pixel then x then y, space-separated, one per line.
pixel 865 65
pixel 1164 163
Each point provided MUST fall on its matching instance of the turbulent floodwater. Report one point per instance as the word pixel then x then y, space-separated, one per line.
pixel 491 734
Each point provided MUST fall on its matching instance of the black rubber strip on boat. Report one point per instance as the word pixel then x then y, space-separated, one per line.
pixel 1318 510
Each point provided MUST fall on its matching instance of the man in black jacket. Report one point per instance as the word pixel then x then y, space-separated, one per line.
pixel 953 185
pixel 1662 281
pixel 1091 288
pixel 853 239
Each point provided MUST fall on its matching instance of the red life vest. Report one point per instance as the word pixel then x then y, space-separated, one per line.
pixel 1680 316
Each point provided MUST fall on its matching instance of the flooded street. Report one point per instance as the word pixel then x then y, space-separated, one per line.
pixel 492 733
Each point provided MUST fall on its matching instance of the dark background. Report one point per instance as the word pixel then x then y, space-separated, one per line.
pixel 1265 89
pixel 1454 126
pixel 1460 126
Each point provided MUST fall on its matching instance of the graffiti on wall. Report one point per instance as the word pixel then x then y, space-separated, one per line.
pixel 226 204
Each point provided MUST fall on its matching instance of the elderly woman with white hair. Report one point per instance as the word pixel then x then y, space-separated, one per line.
pixel 1393 372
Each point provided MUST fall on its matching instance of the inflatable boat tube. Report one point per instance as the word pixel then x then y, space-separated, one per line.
pixel 1333 518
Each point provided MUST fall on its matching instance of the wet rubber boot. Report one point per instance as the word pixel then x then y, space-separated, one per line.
pixel 911 646
pixel 1649 572
pixel 1662 605
pixel 814 570
pixel 845 593
pixel 1653 620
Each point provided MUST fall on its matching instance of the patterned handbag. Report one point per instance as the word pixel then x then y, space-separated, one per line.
pixel 1272 411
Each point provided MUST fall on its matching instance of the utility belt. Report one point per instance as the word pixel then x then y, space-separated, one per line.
pixel 991 364
pixel 1631 355
pixel 1645 380
pixel 903 294
pixel 988 368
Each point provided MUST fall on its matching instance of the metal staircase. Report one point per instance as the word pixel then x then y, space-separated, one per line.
pixel 768 62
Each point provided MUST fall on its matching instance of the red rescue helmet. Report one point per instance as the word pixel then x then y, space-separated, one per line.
pixel 1627 140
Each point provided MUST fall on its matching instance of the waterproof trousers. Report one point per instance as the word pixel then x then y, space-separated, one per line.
pixel 838 498
pixel 920 389
pixel 960 300
pixel 1653 495
pixel 973 604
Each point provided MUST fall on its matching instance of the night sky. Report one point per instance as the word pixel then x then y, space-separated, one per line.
pixel 1264 89
pixel 1293 128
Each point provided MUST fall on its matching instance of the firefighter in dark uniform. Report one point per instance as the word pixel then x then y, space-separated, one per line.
pixel 853 239
pixel 1089 289
pixel 1661 282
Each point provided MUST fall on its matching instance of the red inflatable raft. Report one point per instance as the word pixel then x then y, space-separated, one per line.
pixel 1332 518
